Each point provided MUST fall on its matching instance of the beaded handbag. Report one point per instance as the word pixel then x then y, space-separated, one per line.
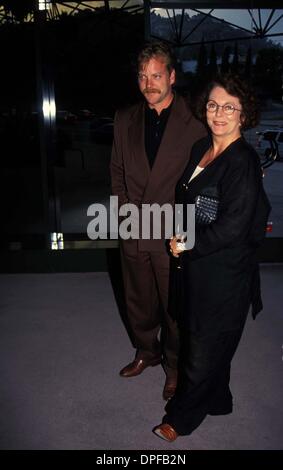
pixel 206 209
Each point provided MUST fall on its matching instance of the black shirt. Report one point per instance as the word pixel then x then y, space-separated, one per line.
pixel 153 131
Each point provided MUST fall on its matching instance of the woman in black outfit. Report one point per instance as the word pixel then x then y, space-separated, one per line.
pixel 219 277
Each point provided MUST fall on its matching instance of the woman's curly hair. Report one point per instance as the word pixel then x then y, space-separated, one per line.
pixel 235 86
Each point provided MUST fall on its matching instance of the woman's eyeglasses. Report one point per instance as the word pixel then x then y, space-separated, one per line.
pixel 228 108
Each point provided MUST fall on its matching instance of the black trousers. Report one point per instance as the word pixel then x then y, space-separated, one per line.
pixel 203 379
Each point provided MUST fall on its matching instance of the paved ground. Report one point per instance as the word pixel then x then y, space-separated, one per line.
pixel 62 344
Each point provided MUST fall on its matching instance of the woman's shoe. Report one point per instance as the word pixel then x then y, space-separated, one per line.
pixel 166 432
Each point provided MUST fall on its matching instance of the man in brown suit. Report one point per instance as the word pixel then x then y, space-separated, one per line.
pixel 152 144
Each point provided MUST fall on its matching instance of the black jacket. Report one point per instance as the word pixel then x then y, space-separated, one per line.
pixel 219 278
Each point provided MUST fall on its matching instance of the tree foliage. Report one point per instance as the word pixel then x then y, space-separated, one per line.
pixel 269 71
pixel 19 8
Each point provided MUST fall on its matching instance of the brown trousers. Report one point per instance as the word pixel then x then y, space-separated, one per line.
pixel 146 279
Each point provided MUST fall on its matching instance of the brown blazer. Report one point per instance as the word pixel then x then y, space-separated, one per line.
pixel 132 179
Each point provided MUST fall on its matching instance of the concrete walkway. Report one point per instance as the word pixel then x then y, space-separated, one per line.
pixel 62 344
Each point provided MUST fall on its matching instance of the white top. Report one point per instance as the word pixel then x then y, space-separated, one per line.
pixel 197 171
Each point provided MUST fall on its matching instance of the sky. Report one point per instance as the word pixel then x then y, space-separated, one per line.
pixel 243 19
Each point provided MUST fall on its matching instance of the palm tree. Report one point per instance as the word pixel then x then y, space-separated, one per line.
pixel 225 64
pixel 248 63
pixel 202 60
pixel 235 62
pixel 212 66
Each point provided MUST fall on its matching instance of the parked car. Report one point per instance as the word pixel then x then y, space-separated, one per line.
pixel 270 142
pixel 85 114
pixel 66 116
pixel 99 121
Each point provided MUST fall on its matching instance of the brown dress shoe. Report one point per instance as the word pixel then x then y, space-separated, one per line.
pixel 166 432
pixel 169 387
pixel 137 367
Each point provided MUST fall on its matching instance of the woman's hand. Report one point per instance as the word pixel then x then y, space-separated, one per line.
pixel 177 245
